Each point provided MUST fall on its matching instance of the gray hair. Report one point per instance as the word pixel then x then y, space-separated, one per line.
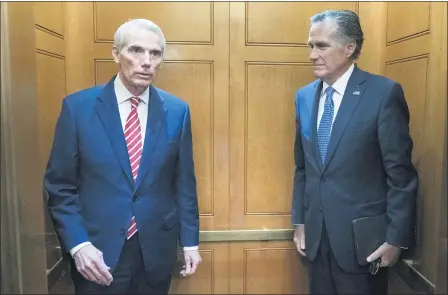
pixel 124 29
pixel 348 27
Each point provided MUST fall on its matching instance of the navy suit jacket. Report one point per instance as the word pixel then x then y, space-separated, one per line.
pixel 368 170
pixel 91 192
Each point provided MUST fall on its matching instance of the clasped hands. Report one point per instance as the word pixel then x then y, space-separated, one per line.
pixel 90 264
pixel 389 254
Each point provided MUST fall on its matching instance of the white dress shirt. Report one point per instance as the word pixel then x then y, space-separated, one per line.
pixel 124 107
pixel 339 86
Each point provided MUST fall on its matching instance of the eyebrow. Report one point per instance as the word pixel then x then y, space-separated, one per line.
pixel 135 47
pixel 319 43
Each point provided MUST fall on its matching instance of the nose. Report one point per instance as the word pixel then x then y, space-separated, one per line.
pixel 313 55
pixel 146 61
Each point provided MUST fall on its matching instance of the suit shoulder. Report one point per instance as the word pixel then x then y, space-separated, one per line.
pixel 385 82
pixel 309 88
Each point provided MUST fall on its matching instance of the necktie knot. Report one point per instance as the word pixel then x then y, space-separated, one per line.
pixel 329 92
pixel 135 101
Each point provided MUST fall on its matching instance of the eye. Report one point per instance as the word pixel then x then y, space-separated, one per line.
pixel 136 49
pixel 156 53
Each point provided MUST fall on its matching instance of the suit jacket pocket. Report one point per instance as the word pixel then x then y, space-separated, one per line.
pixel 372 208
pixel 172 219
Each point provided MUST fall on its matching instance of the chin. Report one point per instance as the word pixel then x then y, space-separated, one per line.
pixel 320 73
pixel 143 83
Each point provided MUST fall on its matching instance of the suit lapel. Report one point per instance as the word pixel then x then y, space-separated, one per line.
pixel 352 95
pixel 315 148
pixel 107 109
pixel 156 119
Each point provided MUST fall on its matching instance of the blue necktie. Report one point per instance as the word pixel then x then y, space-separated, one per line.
pixel 324 131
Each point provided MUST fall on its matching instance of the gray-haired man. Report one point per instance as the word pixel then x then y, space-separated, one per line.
pixel 120 179
pixel 353 160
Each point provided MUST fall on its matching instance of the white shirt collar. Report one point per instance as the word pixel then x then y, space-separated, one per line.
pixel 341 84
pixel 123 93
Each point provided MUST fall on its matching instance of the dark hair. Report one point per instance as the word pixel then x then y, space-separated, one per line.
pixel 348 26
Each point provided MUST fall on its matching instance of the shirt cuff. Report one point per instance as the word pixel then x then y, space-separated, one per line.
pixel 192 248
pixel 76 248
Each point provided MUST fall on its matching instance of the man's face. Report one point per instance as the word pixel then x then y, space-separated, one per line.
pixel 329 56
pixel 139 59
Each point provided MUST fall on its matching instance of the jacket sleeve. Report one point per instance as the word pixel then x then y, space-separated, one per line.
pixel 299 173
pixel 402 179
pixel 186 187
pixel 61 182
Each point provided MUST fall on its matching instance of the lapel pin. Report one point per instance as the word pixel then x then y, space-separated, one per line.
pixel 356 92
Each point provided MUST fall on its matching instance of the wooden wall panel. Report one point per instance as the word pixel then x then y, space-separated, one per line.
pixel 181 22
pixel 50 17
pixel 266 268
pixel 197 90
pixel 415 92
pixel 416 57
pixel 284 23
pixel 268 125
pixel 212 274
pixel 51 89
pixel 407 20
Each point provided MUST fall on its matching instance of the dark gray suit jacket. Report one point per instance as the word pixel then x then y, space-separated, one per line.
pixel 368 169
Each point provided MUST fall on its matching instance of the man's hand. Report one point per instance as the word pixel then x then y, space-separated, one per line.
pixel 192 260
pixel 90 264
pixel 389 255
pixel 299 239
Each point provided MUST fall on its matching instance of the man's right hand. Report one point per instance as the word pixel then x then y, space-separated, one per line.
pixel 90 264
pixel 299 239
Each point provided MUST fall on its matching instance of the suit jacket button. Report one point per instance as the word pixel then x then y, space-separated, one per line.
pixel 320 209
pixel 122 231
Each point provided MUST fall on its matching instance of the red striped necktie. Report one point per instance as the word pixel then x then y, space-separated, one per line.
pixel 133 136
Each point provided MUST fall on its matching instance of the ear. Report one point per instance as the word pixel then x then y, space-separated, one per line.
pixel 350 49
pixel 115 54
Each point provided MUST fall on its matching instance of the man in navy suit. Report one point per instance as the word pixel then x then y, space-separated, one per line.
pixel 120 179
pixel 353 159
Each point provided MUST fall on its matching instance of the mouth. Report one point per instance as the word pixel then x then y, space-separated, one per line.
pixel 144 75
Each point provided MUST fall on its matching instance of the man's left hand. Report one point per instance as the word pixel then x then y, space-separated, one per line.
pixel 192 260
pixel 389 255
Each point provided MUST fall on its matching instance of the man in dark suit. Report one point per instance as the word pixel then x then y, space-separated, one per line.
pixel 353 159
pixel 120 179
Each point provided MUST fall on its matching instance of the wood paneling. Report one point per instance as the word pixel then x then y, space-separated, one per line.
pixel 201 101
pixel 23 267
pixel 415 92
pixel 50 92
pixel 266 268
pixel 49 42
pixel 373 21
pixel 181 22
pixel 284 23
pixel 50 16
pixel 268 124
pixel 418 61
pixel 212 274
pixel 51 89
pixel 407 20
